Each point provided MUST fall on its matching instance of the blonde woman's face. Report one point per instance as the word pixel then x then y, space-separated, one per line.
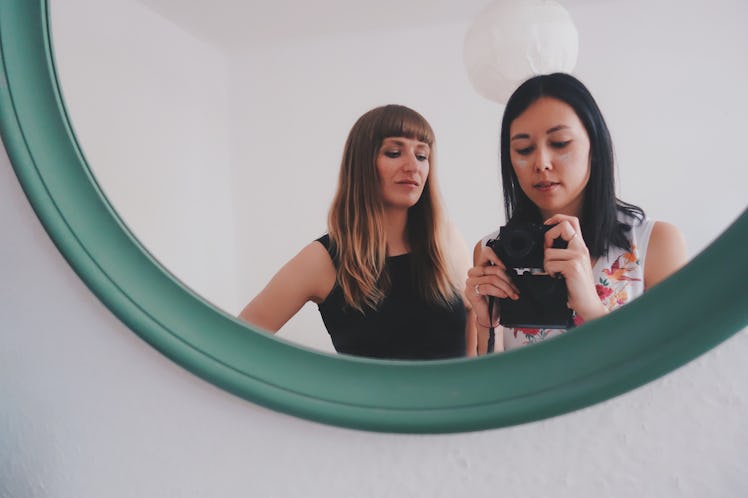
pixel 403 167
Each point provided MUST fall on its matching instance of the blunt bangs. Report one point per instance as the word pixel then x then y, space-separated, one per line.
pixel 404 122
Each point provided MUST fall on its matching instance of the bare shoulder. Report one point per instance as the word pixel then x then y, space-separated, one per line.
pixel 314 266
pixel 667 238
pixel 666 253
pixel 308 276
pixel 314 252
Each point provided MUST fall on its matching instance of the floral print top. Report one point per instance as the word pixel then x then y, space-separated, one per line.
pixel 619 278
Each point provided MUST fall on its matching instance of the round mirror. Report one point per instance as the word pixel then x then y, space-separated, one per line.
pixel 653 335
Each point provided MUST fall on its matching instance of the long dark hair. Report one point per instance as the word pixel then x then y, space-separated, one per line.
pixel 600 208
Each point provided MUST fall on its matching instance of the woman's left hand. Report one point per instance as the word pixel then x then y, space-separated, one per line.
pixel 574 264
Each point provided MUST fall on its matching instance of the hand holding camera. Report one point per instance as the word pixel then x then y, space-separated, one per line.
pixel 543 296
pixel 488 278
pixel 539 273
pixel 574 265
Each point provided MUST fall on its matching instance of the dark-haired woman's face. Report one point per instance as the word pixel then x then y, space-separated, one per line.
pixel 550 153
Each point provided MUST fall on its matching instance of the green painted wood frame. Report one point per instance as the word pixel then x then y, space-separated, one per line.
pixel 688 314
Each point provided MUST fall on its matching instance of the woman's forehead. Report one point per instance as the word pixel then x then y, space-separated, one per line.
pixel 546 115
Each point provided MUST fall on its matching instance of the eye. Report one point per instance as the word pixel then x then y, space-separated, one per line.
pixel 422 157
pixel 392 153
pixel 560 145
pixel 525 150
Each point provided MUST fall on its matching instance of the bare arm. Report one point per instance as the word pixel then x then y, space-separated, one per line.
pixel 471 335
pixel 666 253
pixel 308 276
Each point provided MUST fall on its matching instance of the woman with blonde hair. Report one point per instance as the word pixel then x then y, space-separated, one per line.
pixel 387 275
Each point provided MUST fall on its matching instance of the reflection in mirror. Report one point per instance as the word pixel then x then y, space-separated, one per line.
pixel 571 252
pixel 221 151
pixel 388 274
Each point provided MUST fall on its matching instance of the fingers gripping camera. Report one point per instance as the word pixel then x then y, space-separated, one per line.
pixel 542 298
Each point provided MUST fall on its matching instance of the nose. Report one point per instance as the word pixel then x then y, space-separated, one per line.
pixel 410 162
pixel 543 159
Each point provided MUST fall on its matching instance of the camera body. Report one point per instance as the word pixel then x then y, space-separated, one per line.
pixel 542 297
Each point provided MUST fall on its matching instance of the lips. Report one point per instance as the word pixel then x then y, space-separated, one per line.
pixel 545 186
pixel 413 183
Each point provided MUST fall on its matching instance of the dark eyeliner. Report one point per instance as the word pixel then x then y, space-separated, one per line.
pixel 560 145
pixel 525 151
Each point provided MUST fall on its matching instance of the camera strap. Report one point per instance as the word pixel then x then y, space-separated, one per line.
pixel 491 331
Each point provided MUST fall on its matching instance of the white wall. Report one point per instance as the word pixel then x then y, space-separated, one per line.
pixel 89 410
pixel 149 103
pixel 670 77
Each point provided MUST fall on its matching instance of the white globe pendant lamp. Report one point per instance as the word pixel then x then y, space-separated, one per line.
pixel 512 40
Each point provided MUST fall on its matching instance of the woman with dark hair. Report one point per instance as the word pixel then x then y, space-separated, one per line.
pixel 387 276
pixel 557 170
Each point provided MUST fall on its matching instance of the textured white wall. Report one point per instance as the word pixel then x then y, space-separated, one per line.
pixel 88 410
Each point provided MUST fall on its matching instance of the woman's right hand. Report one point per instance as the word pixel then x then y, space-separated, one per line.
pixel 488 277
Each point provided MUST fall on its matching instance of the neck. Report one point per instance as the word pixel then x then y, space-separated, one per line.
pixel 573 209
pixel 395 223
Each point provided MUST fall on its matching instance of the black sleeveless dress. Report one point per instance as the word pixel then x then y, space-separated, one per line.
pixel 405 326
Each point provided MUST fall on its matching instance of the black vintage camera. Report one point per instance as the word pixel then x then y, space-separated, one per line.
pixel 542 298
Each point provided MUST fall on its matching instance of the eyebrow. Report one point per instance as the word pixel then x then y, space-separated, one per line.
pixel 401 142
pixel 519 136
pixel 555 128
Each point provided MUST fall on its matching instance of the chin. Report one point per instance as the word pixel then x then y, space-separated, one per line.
pixel 400 205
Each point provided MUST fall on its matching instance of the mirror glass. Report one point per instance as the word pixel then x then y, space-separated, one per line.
pixel 216 128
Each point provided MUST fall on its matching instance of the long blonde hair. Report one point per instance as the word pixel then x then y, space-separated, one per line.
pixel 356 218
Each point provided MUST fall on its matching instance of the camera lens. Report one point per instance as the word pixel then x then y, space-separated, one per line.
pixel 519 244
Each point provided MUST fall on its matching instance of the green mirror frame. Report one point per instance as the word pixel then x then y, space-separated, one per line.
pixel 691 312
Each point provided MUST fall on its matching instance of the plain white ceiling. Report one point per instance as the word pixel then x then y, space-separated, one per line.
pixel 236 24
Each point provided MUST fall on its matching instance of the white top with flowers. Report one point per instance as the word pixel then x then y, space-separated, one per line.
pixel 619 278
